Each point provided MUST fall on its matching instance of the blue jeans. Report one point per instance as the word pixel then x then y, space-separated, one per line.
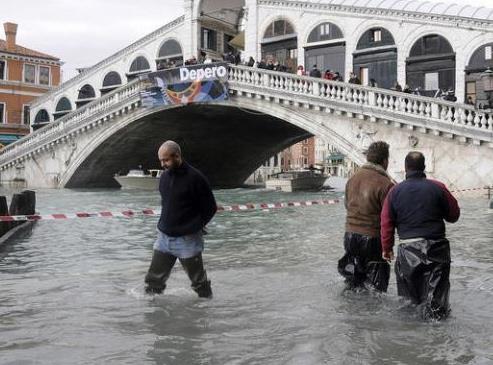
pixel 183 247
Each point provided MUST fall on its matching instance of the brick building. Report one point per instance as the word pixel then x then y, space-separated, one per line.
pixel 25 74
pixel 300 155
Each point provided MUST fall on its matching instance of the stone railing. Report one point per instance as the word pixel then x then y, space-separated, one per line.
pixel 111 59
pixel 431 113
pixel 75 120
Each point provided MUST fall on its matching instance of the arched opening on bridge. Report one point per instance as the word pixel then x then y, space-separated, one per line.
pixel 111 81
pixel 280 45
pixel 221 22
pixel 170 55
pixel 375 58
pixel 326 48
pixel 430 66
pixel 138 67
pixel 227 143
pixel 63 107
pixel 480 61
pixel 41 119
pixel 86 95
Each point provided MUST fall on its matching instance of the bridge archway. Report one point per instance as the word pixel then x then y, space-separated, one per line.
pixel 280 44
pixel 112 80
pixel 138 66
pixel 431 65
pixel 170 54
pixel 480 61
pixel 41 119
pixel 63 107
pixel 86 95
pixel 205 132
pixel 375 58
pixel 326 48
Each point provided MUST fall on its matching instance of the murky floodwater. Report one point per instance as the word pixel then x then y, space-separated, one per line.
pixel 72 292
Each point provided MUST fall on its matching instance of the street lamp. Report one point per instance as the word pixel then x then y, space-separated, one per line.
pixel 487 80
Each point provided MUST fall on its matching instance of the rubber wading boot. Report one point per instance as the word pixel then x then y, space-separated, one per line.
pixel 159 272
pixel 198 276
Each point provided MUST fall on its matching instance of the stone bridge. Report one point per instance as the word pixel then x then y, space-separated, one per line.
pixel 95 125
pixel 267 112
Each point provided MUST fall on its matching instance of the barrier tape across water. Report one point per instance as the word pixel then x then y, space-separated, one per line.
pixel 154 212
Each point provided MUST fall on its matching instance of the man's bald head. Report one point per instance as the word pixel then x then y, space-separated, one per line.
pixel 169 155
pixel 415 161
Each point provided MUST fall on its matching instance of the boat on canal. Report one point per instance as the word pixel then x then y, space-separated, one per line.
pixel 297 180
pixel 138 179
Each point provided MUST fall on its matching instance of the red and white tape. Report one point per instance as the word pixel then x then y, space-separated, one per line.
pixel 153 212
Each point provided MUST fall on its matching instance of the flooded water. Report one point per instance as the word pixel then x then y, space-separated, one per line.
pixel 72 292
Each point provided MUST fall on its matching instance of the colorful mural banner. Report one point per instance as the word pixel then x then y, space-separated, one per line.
pixel 184 85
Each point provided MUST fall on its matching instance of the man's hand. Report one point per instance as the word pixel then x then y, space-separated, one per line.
pixel 388 256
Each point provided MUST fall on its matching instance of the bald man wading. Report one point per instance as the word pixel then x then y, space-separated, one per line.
pixel 188 205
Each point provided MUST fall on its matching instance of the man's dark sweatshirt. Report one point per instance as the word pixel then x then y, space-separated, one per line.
pixel 187 201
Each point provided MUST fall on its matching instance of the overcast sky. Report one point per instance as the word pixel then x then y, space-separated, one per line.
pixel 82 33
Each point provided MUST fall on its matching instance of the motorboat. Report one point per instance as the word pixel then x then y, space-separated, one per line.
pixel 138 179
pixel 297 180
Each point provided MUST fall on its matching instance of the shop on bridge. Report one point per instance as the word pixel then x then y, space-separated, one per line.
pixel 326 48
pixel 280 45
pixel 430 66
pixel 481 60
pixel 375 58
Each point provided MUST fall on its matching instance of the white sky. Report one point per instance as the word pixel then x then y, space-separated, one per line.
pixel 82 33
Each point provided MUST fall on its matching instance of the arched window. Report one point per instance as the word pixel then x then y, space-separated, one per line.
pixel 86 95
pixel 139 66
pixel 480 61
pixel 375 59
pixel 432 44
pixel 111 81
pixel 63 107
pixel 375 37
pixel 430 66
pixel 280 46
pixel 42 117
pixel 170 55
pixel 86 92
pixel 324 32
pixel 326 49
pixel 279 28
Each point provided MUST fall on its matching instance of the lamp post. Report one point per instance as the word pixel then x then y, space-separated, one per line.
pixel 487 80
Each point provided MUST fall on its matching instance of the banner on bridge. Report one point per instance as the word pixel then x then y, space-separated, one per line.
pixel 185 85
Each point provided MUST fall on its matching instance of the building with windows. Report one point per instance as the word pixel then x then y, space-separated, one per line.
pixel 25 74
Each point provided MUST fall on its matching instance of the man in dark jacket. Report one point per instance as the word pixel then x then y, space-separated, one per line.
pixel 315 72
pixel 362 263
pixel 418 207
pixel 188 204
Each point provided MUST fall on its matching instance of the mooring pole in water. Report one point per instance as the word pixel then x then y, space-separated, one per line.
pixel 4 211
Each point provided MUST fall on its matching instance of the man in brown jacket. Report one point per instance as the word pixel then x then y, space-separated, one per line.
pixel 362 264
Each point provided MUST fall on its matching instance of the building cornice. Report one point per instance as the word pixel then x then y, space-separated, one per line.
pixel 404 15
pixel 31 59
